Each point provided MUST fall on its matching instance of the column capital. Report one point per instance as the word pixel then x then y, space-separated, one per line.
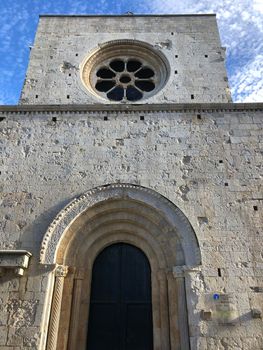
pixel 61 271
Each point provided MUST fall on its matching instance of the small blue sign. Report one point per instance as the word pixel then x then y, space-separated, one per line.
pixel 216 296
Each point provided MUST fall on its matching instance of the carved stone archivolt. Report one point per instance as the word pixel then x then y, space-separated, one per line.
pixel 176 220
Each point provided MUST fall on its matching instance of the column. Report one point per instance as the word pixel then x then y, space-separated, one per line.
pixel 164 310
pixel 60 274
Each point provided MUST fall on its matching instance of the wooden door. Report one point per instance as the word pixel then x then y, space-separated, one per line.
pixel 120 315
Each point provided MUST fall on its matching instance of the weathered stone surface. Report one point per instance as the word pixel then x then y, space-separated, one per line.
pixel 205 159
pixel 78 152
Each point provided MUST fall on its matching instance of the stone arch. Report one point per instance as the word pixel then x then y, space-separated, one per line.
pixel 104 216
pixel 176 223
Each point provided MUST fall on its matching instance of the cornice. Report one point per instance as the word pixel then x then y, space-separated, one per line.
pixel 132 108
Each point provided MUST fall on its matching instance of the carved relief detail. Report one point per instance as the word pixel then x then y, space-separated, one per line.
pixel 61 271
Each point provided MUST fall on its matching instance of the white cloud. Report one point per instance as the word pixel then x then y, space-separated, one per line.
pixel 258 5
pixel 248 83
pixel 241 29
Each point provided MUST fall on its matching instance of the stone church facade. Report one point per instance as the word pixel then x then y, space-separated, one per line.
pixel 126 141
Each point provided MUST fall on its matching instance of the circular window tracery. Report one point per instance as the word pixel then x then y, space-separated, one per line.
pixel 125 71
pixel 125 79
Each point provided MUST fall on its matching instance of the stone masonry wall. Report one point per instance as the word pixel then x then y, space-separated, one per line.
pixel 208 163
pixel 190 43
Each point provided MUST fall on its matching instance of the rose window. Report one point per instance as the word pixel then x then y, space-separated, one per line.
pixel 125 71
pixel 125 79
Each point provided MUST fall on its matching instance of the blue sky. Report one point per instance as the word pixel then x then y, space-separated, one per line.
pixel 240 25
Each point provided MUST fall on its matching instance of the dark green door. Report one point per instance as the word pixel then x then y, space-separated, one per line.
pixel 120 305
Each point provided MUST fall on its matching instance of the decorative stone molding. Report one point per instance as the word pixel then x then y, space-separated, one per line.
pixel 174 216
pixel 16 260
pixel 131 108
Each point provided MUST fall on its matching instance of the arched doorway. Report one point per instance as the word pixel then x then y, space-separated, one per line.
pixel 120 316
pixel 114 214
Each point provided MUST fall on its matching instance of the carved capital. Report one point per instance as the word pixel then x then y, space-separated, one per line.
pixel 61 271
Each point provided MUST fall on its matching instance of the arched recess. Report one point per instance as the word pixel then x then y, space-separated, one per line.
pixel 103 216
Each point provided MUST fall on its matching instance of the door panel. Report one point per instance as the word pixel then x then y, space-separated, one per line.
pixel 139 327
pixel 103 326
pixel 120 305
pixel 136 275
pixel 106 276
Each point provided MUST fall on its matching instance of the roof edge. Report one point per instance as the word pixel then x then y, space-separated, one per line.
pixel 131 15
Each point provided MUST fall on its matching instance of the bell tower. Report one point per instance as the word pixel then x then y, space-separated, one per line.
pixel 126 59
